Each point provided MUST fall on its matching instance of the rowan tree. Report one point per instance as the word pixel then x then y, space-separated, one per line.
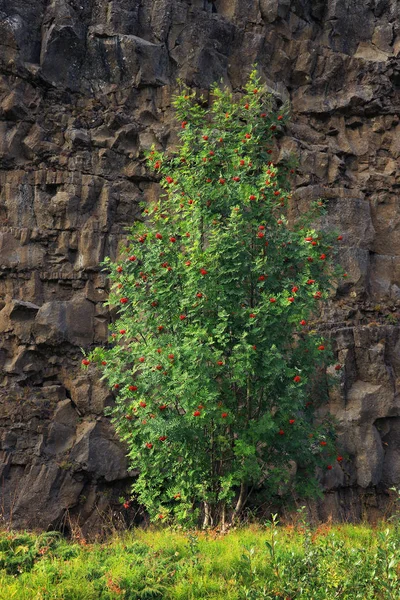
pixel 213 356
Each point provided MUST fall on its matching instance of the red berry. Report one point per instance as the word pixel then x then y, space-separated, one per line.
pixel 236 178
pixel 297 379
pixel 124 300
pixel 122 331
pixel 119 269
pixel 132 388
pixel 182 317
pixel 310 281
pixel 132 258
pixel 310 259
pixel 291 299
pixel 291 421
pixel 172 239
pixel 321 347
pixel 252 197
pixel 323 443
pixel 188 263
pixel 317 294
pixel 160 327
pixel 329 467
pixel 261 278
pixel 280 118
pixel 205 137
pixel 149 445
pixel 143 404
pixel 281 432
pixel 184 123
pixel 241 163
pixel 224 415
pixel 159 236
pixel 187 234
pixel 260 234
pixel 171 356
pixel 162 407
pixel 86 362
pixel 203 271
pixel 338 367
pixel 303 322
pixel 252 316
pixel 169 180
pixel 220 362
pixel 340 237
pixel 247 136
pixel 103 362
pixel 159 367
pixel 162 438
pixel 339 458
pixel 295 289
pixel 196 413
pixel 199 295
pixel 142 359
pixel 222 181
pixel 323 256
pixel 116 386
pixel 272 300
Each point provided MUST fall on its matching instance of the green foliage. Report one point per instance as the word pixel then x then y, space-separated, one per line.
pixel 346 562
pixel 213 358
pixel 18 552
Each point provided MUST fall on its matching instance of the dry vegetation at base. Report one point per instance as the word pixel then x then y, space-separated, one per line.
pixel 342 561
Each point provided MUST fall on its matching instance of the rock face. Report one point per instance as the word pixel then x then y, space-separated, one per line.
pixel 85 88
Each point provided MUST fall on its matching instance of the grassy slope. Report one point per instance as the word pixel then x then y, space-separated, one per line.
pixel 347 562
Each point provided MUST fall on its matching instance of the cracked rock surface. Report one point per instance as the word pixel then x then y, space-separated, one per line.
pixel 85 88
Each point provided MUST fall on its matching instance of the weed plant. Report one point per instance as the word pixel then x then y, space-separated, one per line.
pixel 347 562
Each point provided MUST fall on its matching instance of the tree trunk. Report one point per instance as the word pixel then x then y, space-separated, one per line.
pixel 206 520
pixel 240 502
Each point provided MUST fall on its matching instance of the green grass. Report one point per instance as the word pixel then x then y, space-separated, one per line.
pixel 345 561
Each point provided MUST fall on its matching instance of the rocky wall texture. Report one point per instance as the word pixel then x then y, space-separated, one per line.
pixel 85 88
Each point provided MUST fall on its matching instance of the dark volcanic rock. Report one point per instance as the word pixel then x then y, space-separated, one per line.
pixel 85 88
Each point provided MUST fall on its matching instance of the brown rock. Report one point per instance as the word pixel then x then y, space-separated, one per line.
pixel 85 89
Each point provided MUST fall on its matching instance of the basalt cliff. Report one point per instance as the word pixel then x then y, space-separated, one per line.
pixel 85 89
